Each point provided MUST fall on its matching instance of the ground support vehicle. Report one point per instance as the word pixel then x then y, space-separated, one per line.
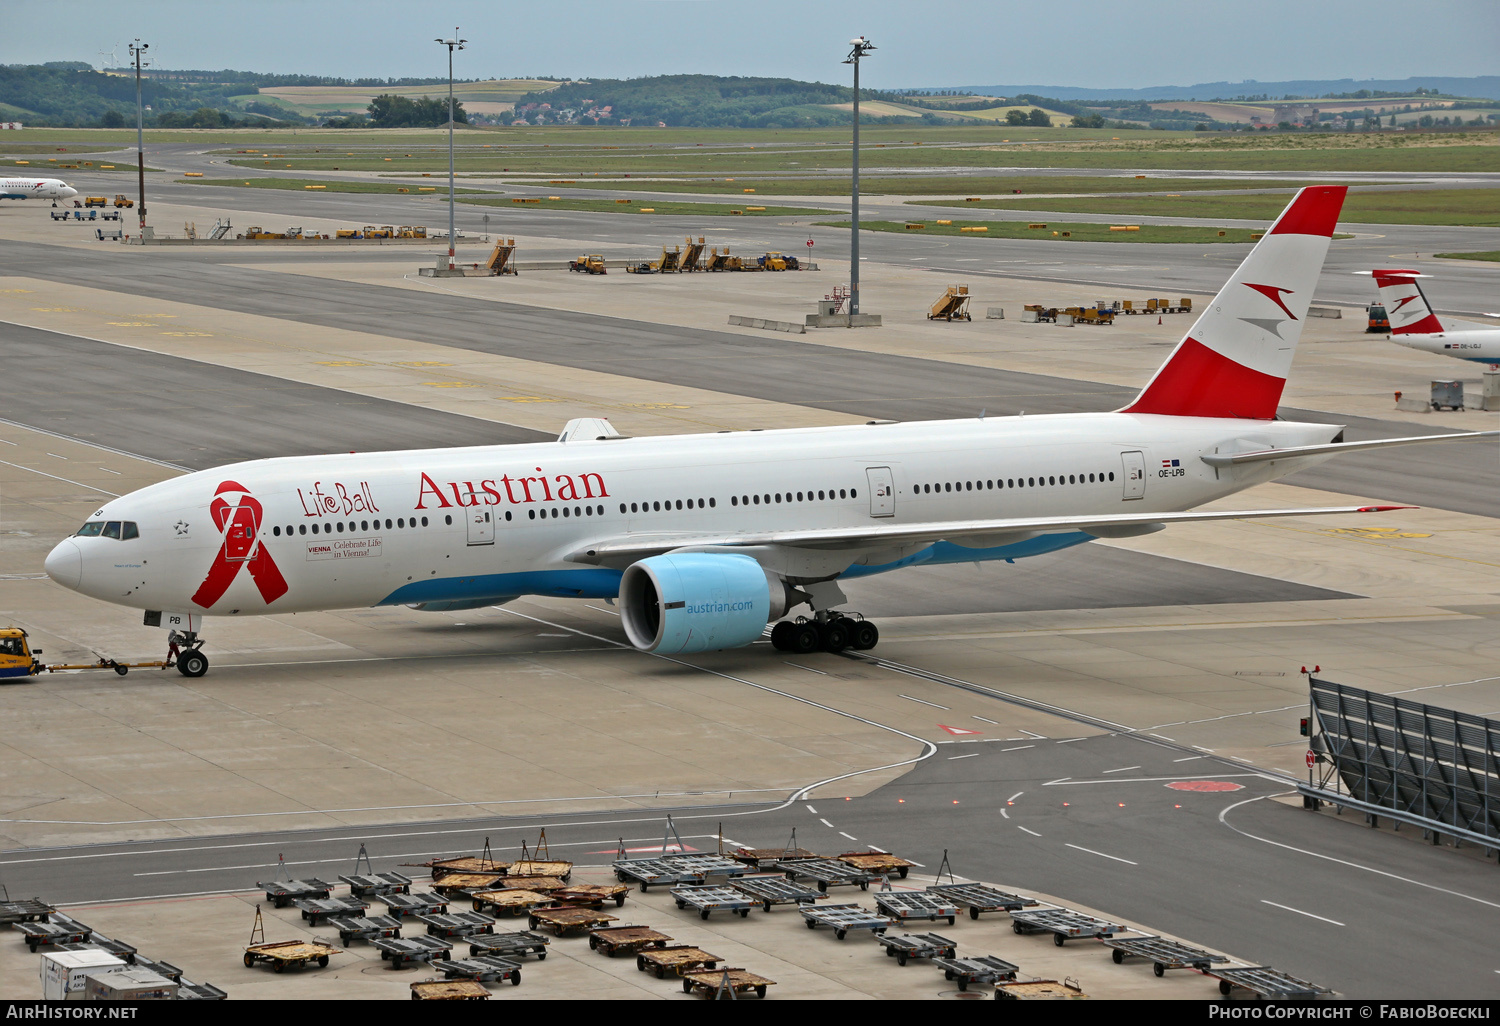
pixel 565 919
pixel 905 946
pixel 1266 983
pixel 449 990
pixel 713 899
pixel 365 928
pixel 292 954
pixel 592 895
pixel 629 940
pixel 510 902
pixel 904 905
pixel 401 950
pixel 314 909
pixel 560 868
pixel 881 863
pixel 1038 990
pixel 450 884
pixel 984 969
pixel 58 930
pixel 510 945
pixel 824 872
pixel 25 911
pixel 282 893
pixel 405 905
pixel 679 959
pixel 121 200
pixel 952 305
pixel 712 983
pixel 457 925
pixel 776 890
pixel 1164 954
pixel 982 898
pixel 377 883
pixel 466 864
pixel 1063 924
pixel 755 856
pixel 843 918
pixel 654 871
pixel 481 969
pixel 592 263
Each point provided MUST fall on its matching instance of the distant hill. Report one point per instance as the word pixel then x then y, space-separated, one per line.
pixel 1484 86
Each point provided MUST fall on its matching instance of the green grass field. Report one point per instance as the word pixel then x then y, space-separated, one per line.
pixel 653 207
pixel 1053 231
pixel 298 185
pixel 1480 207
pixel 1492 256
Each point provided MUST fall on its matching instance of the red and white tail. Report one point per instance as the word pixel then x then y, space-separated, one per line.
pixel 1235 359
pixel 1405 304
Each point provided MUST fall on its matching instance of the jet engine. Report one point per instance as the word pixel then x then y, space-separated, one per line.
pixel 698 601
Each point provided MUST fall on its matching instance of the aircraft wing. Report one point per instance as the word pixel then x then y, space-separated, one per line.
pixel 619 551
pixel 1334 448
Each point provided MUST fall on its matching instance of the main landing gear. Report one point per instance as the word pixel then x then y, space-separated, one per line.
pixel 829 632
pixel 185 649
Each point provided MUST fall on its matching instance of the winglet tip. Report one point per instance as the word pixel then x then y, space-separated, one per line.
pixel 1383 509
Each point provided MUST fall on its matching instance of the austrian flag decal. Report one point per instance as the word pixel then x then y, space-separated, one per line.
pixel 240 523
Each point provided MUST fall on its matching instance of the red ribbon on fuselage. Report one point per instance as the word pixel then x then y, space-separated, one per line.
pixel 241 547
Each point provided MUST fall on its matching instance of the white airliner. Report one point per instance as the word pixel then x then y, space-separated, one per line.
pixel 705 539
pixel 1414 325
pixel 52 189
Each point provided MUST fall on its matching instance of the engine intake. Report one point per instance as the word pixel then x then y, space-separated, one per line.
pixel 698 602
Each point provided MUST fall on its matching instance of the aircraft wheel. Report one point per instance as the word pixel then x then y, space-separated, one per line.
pixel 863 634
pixel 192 663
pixel 833 635
pixel 781 636
pixel 805 638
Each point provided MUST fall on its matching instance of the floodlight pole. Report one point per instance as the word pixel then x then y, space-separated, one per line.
pixel 452 44
pixel 136 49
pixel 862 46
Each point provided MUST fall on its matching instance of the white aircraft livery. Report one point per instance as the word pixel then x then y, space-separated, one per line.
pixel 1414 325
pixel 706 539
pixel 36 188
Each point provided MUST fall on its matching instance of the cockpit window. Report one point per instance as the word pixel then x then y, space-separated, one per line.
pixel 91 529
pixel 121 530
pixel 129 531
pixel 112 530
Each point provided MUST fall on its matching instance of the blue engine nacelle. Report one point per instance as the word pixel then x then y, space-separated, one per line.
pixel 697 602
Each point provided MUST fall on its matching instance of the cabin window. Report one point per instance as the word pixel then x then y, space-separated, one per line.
pixel 507 515
pixel 531 513
pixel 424 521
pixel 276 531
pixel 734 500
pixel 713 503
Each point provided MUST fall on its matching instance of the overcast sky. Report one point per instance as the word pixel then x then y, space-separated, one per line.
pixel 936 43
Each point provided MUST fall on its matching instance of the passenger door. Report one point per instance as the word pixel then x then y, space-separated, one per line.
pixel 481 527
pixel 1134 464
pixel 239 536
pixel 882 492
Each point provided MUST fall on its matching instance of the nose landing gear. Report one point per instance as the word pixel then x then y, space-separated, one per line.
pixel 184 648
pixel 828 632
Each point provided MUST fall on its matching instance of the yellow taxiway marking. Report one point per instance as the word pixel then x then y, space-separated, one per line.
pixel 1377 533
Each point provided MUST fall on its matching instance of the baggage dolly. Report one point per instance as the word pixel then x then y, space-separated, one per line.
pixel 713 899
pixel 681 959
pixel 403 905
pixel 708 865
pixel 776 890
pixel 452 885
pixel 284 955
pixel 25 911
pixel 46 935
pixel 1063 923
pixel 457 925
pixel 510 945
pixel 755 856
pixel 480 969
pixel 904 905
pixel 824 872
pixel 365 928
pixel 905 946
pixel 400 950
pixel 1266 983
pixel 880 863
pixel 984 969
pixel 314 909
pixel 593 895
pixel 124 952
pixel 654 871
pixel 464 864
pixel 282 893
pixel 449 990
pixel 377 883
pixel 628 940
pixel 1164 954
pixel 843 918
pixel 711 982
pixel 981 898
pixel 510 902
pixel 566 918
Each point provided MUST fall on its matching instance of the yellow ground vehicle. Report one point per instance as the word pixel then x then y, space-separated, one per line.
pixel 121 200
pixel 95 201
pixel 18 659
pixel 592 263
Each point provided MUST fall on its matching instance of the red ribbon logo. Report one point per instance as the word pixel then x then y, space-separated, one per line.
pixel 241 525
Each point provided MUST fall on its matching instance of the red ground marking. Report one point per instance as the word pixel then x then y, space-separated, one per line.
pixel 959 730
pixel 1205 785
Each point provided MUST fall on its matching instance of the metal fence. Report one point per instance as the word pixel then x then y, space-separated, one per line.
pixel 1421 764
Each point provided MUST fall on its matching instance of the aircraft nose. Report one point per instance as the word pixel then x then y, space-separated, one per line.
pixel 65 565
pixel 68 192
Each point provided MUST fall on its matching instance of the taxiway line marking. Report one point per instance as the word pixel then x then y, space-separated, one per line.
pixel 1033 833
pixel 1070 740
pixel 1122 769
pixel 811 809
pixel 1309 915
pixel 981 719
pixel 65 480
pixel 1004 814
pixel 1190 758
pixel 1015 796
pixel 1101 854
pixel 1017 748
pixel 825 822
pixel 1138 780
pixel 969 756
pixel 850 836
pixel 801 667
pixel 924 702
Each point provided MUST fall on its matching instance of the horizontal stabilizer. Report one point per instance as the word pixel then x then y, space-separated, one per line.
pixel 1333 448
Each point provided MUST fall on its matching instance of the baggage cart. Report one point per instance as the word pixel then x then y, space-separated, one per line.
pixel 824 872
pixel 654 871
pixel 365 928
pixel 25 911
pixel 166 969
pixel 592 895
pixel 904 905
pixel 1039 990
pixel 49 934
pixel 713 899
pixel 843 918
pixel 560 868
pixel 755 856
pixel 121 950
pixel 776 890
pixel 452 885
pixel 613 940
pixel 455 925
pixel 377 883
pixel 982 898
pixel 1062 923
pixel 282 893
pixel 510 903
pixel 1164 954
pixel 1266 983
pixel 190 991
pixel 712 982
pixel 404 905
pixel 510 945
pixel 881 863
pixel 905 946
pixel 566 918
pixel 449 990
pixel 984 969
pixel 481 969
pixel 544 884
pixel 292 954
pixel 709 865
pixel 465 864
pixel 401 950
pixel 678 959
pixel 315 909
